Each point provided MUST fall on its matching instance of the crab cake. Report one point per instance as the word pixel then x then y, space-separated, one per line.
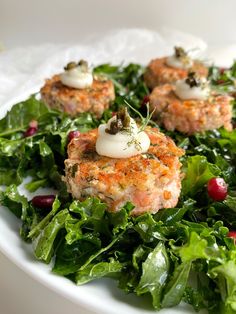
pixel 168 70
pixel 77 91
pixel 149 180
pixel 190 115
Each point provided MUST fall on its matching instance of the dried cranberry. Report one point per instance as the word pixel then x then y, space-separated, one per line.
pixel 30 131
pixel 73 134
pixel 146 100
pixel 217 189
pixel 43 201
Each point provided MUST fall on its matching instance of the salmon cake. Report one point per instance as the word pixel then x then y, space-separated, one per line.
pixel 150 180
pixel 168 70
pixel 76 91
pixel 190 115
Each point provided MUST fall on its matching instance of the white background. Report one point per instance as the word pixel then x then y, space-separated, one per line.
pixel 28 22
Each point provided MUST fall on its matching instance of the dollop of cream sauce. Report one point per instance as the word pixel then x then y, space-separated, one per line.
pixel 180 63
pixel 184 91
pixel 77 77
pixel 124 144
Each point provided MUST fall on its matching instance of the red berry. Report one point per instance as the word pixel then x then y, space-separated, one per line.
pixel 30 131
pixel 73 134
pixel 217 189
pixel 232 234
pixel 43 201
pixel 146 100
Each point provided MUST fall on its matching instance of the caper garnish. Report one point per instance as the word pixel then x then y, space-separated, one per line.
pixel 193 80
pixel 124 117
pixel 121 122
pixel 70 66
pixel 180 52
pixel 83 64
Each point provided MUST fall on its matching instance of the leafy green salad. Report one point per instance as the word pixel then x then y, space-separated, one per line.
pixel 178 254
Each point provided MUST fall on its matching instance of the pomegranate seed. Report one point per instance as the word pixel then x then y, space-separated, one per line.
pixel 232 234
pixel 217 189
pixel 43 201
pixel 73 134
pixel 146 99
pixel 30 131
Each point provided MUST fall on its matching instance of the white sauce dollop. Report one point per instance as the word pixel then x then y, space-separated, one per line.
pixel 179 63
pixel 77 78
pixel 123 144
pixel 184 91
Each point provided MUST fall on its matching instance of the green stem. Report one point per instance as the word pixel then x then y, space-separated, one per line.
pixel 102 250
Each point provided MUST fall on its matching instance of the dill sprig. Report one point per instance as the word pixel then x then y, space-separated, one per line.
pixel 144 120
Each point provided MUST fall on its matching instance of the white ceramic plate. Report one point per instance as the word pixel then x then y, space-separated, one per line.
pixel 102 296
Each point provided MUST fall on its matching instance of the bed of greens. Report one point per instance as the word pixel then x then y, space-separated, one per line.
pixel 87 242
